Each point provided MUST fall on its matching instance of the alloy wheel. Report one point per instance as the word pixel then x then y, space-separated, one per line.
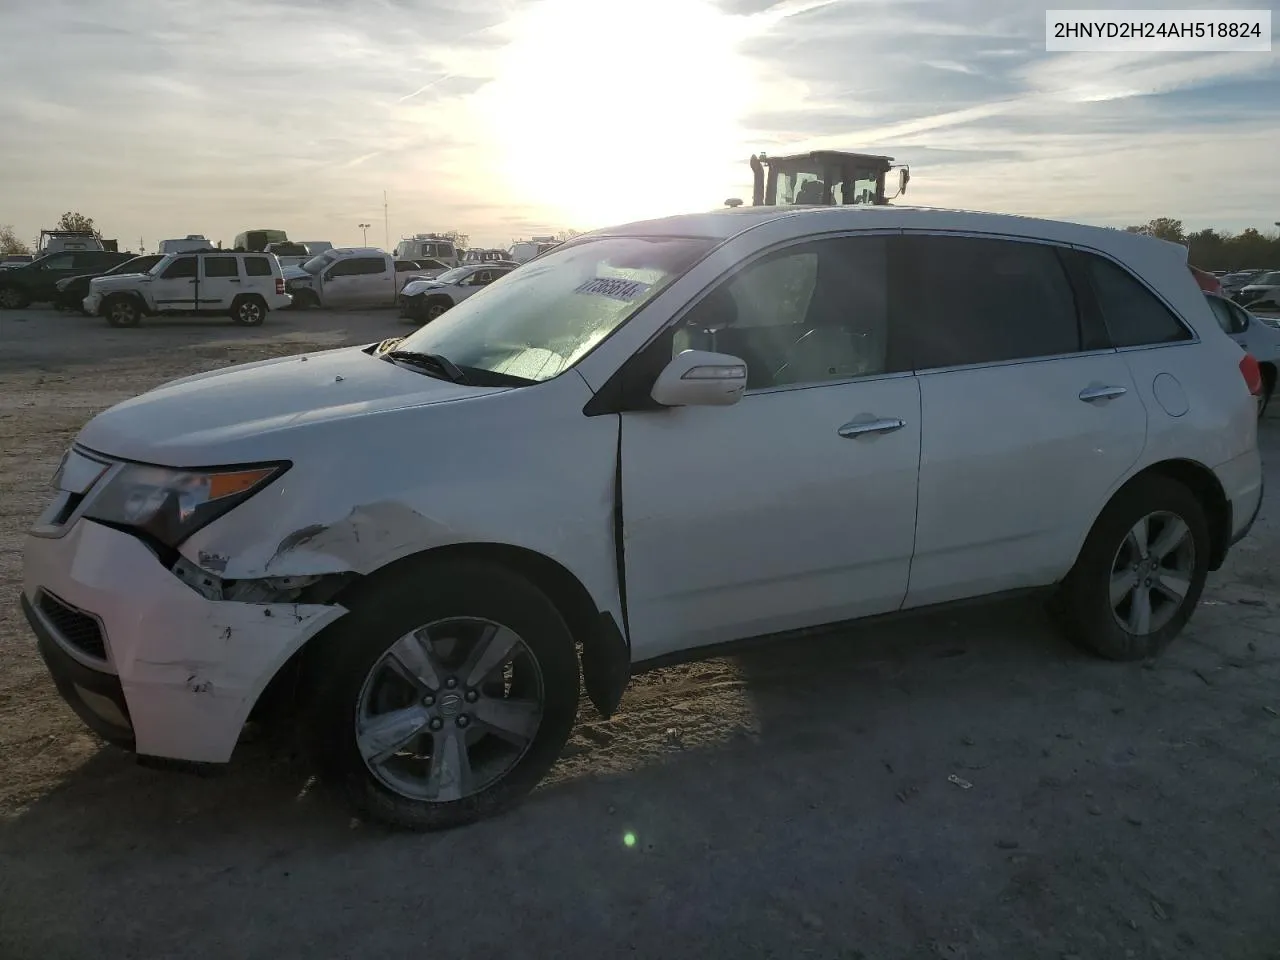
pixel 449 709
pixel 1152 571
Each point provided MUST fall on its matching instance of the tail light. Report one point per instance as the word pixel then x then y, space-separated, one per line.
pixel 280 289
pixel 1252 374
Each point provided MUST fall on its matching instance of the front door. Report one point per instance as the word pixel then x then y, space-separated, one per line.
pixel 47 272
pixel 220 282
pixel 1030 418
pixel 175 289
pixel 795 507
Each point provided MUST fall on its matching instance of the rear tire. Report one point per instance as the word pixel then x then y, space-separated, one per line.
pixel 1140 573
pixel 12 298
pixel 249 311
pixel 453 768
pixel 122 311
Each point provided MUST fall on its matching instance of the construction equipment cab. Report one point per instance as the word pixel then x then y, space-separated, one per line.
pixel 823 177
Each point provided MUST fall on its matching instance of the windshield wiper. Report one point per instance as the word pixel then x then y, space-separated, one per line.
pixel 430 362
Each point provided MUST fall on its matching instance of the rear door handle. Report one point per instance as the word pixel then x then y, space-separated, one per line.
pixel 1089 394
pixel 858 428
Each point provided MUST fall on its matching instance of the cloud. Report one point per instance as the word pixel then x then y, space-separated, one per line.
pixel 530 115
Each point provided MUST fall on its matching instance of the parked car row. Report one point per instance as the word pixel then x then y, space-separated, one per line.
pixel 1261 290
pixel 37 281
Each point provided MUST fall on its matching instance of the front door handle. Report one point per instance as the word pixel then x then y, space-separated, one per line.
pixel 858 428
pixel 1089 394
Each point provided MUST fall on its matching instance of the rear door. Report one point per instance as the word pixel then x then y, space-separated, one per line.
pixel 175 288
pixel 375 282
pixel 220 282
pixel 1029 417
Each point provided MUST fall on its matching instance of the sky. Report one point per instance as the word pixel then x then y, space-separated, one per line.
pixel 510 118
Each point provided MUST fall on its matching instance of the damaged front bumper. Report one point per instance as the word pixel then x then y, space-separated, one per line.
pixel 146 659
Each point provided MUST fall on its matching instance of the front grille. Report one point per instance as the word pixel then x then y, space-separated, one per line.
pixel 74 627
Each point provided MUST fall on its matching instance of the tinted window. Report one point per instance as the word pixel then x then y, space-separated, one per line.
pixel 1239 317
pixel 220 267
pixel 1221 314
pixel 1133 315
pixel 809 313
pixel 359 266
pixel 257 266
pixel 59 261
pixel 974 300
pixel 406 266
pixel 180 269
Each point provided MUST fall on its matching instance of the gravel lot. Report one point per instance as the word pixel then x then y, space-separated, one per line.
pixel 787 802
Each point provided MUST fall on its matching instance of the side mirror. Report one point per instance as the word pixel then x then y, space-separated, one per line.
pixel 698 378
pixel 329 275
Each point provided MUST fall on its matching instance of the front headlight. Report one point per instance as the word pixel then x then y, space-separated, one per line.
pixel 171 505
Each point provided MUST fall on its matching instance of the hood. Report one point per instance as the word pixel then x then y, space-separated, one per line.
pixel 256 411
pixel 115 281
pixel 423 283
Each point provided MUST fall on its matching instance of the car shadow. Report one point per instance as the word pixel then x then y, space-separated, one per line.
pixel 893 780
pixel 769 697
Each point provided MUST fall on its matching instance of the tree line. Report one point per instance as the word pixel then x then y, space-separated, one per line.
pixel 1211 249
pixel 10 242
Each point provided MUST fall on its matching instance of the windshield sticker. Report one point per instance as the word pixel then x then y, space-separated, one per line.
pixel 613 288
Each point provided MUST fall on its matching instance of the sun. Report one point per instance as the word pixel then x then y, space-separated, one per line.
pixel 604 111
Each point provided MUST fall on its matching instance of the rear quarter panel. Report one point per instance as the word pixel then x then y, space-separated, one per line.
pixel 1220 421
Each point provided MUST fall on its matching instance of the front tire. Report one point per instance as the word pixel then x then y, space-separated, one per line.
pixel 122 311
pixel 305 300
pixel 435 308
pixel 1140 573
pixel 445 698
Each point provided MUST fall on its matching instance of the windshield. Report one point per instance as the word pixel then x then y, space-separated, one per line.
pixel 160 265
pixel 136 265
pixel 456 275
pixel 317 264
pixel 1267 280
pixel 540 320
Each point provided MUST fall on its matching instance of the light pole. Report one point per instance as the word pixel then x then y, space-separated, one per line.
pixel 364 233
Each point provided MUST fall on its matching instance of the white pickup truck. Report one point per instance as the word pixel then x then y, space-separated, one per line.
pixel 349 277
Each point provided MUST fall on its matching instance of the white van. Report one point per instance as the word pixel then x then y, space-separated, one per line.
pixel 188 244
pixel 431 246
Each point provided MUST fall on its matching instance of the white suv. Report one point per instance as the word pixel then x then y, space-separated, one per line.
pixel 244 286
pixel 666 436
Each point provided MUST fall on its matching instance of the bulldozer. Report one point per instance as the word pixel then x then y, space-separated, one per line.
pixel 823 177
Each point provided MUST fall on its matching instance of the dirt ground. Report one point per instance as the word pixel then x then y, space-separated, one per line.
pixel 959 786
